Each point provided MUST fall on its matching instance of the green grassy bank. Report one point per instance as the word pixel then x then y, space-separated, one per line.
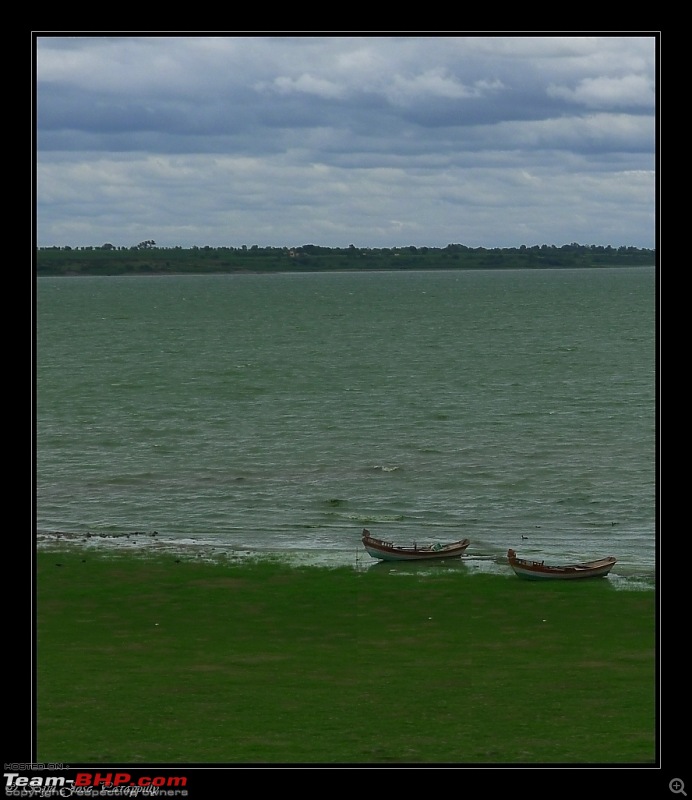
pixel 150 660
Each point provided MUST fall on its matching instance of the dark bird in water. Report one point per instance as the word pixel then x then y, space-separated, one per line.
pixel 524 537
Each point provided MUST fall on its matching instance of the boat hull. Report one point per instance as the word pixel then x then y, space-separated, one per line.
pixel 534 575
pixel 385 555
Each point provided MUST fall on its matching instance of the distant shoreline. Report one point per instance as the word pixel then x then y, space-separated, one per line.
pixel 151 260
pixel 323 271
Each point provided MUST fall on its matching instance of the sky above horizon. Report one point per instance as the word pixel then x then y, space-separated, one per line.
pixel 372 140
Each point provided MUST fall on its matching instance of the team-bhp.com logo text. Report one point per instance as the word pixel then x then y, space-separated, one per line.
pixel 95 784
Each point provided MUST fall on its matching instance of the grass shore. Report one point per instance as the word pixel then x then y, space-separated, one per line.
pixel 156 660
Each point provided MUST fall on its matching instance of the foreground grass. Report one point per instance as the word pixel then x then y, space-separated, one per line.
pixel 155 661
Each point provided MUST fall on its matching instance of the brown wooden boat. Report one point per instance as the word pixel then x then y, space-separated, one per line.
pixel 539 570
pixel 387 551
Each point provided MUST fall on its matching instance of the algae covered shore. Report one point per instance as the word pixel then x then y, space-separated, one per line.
pixel 151 660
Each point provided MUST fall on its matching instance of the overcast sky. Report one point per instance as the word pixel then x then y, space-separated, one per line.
pixel 375 140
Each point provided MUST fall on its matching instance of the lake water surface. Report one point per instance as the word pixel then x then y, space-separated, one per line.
pixel 280 414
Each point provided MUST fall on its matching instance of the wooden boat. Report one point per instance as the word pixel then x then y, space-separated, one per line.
pixel 387 551
pixel 540 571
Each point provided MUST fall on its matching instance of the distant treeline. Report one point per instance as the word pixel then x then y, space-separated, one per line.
pixel 148 259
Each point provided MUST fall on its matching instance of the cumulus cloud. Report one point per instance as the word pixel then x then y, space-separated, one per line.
pixel 307 84
pixel 629 91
